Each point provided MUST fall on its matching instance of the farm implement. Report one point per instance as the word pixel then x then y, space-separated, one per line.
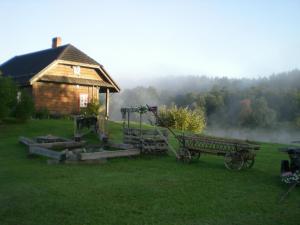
pixel 290 169
pixel 238 154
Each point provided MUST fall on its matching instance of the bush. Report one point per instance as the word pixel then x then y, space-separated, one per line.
pixel 25 107
pixel 42 113
pixel 182 119
pixel 92 108
pixel 8 96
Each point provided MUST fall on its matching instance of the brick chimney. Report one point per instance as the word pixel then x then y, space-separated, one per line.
pixel 56 42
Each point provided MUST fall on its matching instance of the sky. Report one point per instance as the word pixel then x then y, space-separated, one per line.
pixel 140 40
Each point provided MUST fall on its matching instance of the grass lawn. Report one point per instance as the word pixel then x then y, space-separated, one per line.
pixel 143 190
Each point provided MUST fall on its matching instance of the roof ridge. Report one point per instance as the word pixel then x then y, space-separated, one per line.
pixel 70 46
pixel 63 51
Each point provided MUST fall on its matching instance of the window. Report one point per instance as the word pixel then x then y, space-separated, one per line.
pixel 19 96
pixel 76 70
pixel 83 100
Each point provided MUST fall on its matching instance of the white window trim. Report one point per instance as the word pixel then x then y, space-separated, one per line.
pixel 83 100
pixel 77 70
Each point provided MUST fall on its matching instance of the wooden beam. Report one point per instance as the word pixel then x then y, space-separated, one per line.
pixel 100 68
pixel 107 104
pixel 26 141
pixel 42 72
pixel 167 142
pixel 46 152
pixel 65 144
pixel 109 154
pixel 78 64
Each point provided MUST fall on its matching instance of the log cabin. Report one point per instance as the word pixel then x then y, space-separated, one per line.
pixel 61 79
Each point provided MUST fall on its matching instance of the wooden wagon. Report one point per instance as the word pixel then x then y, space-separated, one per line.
pixel 238 154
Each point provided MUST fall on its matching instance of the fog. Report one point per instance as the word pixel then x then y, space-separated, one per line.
pixel 283 135
pixel 278 95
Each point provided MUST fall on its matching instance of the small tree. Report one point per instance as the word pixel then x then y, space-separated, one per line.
pixel 182 119
pixel 8 96
pixel 25 107
pixel 93 108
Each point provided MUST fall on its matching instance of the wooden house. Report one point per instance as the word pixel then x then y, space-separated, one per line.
pixel 62 79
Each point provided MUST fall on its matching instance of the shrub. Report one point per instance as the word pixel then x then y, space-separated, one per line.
pixel 92 109
pixel 24 107
pixel 183 119
pixel 8 96
pixel 42 113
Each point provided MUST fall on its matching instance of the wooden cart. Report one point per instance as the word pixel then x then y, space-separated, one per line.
pixel 238 154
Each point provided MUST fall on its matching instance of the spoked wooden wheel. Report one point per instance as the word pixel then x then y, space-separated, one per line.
pixel 195 156
pixel 248 163
pixel 185 155
pixel 233 161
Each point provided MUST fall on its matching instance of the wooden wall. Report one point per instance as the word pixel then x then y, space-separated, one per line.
pixel 61 98
pixel 67 70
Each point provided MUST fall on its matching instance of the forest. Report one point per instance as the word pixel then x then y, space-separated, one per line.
pixel 265 102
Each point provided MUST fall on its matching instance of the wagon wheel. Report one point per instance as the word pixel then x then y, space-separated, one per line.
pixel 185 155
pixel 248 159
pixel 195 155
pixel 233 161
pixel 248 163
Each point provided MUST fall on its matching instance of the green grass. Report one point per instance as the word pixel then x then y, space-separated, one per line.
pixel 143 190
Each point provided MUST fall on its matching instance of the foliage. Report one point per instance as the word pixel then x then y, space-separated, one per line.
pixel 8 96
pixel 213 102
pixel 25 107
pixel 256 113
pixel 93 108
pixel 274 100
pixel 42 113
pixel 263 115
pixel 183 119
pixel 292 178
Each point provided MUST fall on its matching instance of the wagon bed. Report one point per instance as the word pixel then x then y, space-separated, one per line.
pixel 238 154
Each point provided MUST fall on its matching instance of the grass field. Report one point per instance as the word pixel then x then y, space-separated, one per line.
pixel 143 190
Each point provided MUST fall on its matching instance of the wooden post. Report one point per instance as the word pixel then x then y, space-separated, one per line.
pixel 107 104
pixel 128 119
pixel 93 92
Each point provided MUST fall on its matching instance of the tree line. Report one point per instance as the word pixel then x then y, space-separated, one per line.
pixel 252 103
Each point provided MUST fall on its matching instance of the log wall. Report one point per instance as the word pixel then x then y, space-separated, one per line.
pixel 61 98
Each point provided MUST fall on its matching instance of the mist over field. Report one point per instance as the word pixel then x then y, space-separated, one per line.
pixel 278 135
pixel 264 109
